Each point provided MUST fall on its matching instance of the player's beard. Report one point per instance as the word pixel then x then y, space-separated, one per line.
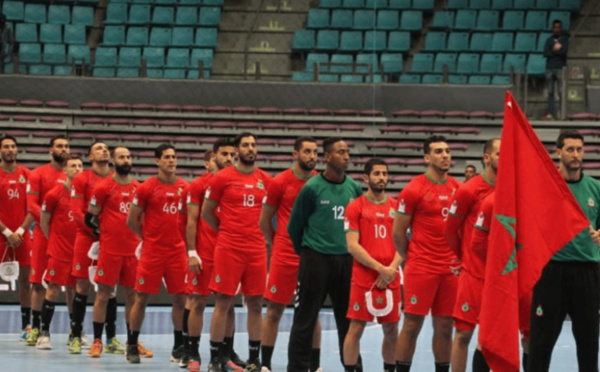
pixel 572 166
pixel 246 162
pixel 123 169
pixel 377 187
pixel 306 166
pixel 58 158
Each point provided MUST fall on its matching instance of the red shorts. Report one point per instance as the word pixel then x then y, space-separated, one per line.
pixel 427 291
pixel 113 268
pixel 357 309
pixel 81 261
pixel 39 258
pixel 59 272
pixel 198 283
pixel 281 283
pixel 468 302
pixel 232 268
pixel 150 273
pixel 22 253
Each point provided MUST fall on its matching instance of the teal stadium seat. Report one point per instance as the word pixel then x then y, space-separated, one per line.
pixel 369 59
pixel 194 74
pixel 536 20
pixel 432 79
pixel 569 5
pixel 114 35
pixel 457 79
pixel 116 13
pixel 542 37
pixel 546 4
pixel 214 2
pixel 329 78
pixel 206 37
pixel 351 41
pixel 26 33
pixel 411 20
pixel 346 63
pixel 377 79
pixel 442 20
pixel 491 63
pixel 186 16
pixel 79 53
pixel 139 14
pixel 488 20
pixel 481 41
pixel 327 40
pixel 524 4
pixel 303 40
pixel 514 61
pixel 62 70
pixel 174 73
pixel 160 36
pixel 392 63
pixel 105 57
pixel 410 79
pixel 364 19
pixel 501 80
pixel 35 13
pixel 468 63
pixel 513 20
pixel 422 62
pixel 74 34
pixel 445 59
pixel 564 17
pixel 163 15
pixel 480 4
pixel 536 64
pixel 204 55
pixel 154 56
pixel 302 76
pixel 182 36
pixel 388 20
pixel 50 33
pixel 59 14
pixel 209 16
pixel 435 41
pixel 399 41
pixel 341 19
pixel 479 80
pixel 155 73
pixel 54 54
pixel 319 58
pixel 137 36
pixel 458 4
pixel 375 41
pixel 502 42
pixel 351 79
pixel 466 19
pixel 13 10
pixel 83 15
pixel 128 72
pixel 317 18
pixel 458 41
pixel 130 57
pixel 525 42
pixel 502 4
pixel 330 4
pixel 353 4
pixel 190 2
pixel 178 57
pixel 30 53
pixel 376 4
pixel 399 4
pixel 426 5
pixel 40 70
pixel 166 2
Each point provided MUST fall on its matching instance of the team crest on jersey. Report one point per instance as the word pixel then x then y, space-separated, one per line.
pixel 356 306
pixel 141 281
pixel 539 311
pixel 22 179
pixel 402 207
pixel 179 191
pixel 413 300
pixel 195 281
pixel 100 272
pixel 218 279
pixel 379 300
pixel 453 207
pixel 273 289
pixel 77 266
pixel 51 273
pixel 260 184
pixel 480 219
pixel 465 307
pixel 591 203
pixel 392 212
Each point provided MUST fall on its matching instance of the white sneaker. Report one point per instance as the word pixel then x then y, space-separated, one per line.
pixel 85 344
pixel 43 342
pixel 319 370
pixel 265 369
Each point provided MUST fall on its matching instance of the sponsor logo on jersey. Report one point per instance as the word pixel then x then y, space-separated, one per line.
pixel 380 215
pixel 591 203
pixel 170 194
pixel 249 186
pixel 325 201
pixel 125 194
pixel 12 182
pixel 260 184
pixel 454 207
pixel 443 197
pixel 22 179
pixel 480 220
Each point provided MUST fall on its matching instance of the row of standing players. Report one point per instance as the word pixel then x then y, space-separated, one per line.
pixel 328 218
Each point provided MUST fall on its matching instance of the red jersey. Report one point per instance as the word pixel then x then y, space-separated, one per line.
pixel 61 237
pixel 41 180
pixel 114 197
pixel 281 195
pixel 13 198
pixel 206 237
pixel 182 216
pixel 479 237
pixel 82 188
pixel 464 211
pixel 374 222
pixel 160 201
pixel 239 195
pixel 428 203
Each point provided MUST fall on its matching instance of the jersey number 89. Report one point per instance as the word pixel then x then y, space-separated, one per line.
pixel 124 207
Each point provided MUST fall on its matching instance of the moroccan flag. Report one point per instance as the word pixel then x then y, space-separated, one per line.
pixel 535 215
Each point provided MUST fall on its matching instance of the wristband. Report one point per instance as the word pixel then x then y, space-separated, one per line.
pixel 194 254
pixel 7 232
pixel 20 231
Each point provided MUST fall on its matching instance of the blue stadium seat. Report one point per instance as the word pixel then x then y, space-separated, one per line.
pixel 74 34
pixel 502 42
pixel 488 20
pixel 13 10
pixel 422 62
pixel 160 36
pixel 491 63
pixel 536 64
pixel 479 80
pixel 302 76
pixel 457 79
pixel 351 41
pixel 458 41
pixel 50 33
pixel 139 14
pixel 501 80
pixel 432 79
pixel 114 35
pixel 40 70
pixel 351 78
pixel 206 37
pixel 154 56
pixel 398 41
pixel 458 4
pixel 317 18
pixel 346 63
pixel 513 20
pixel 319 58
pixel 137 36
pixel 388 20
pixel 83 15
pixel 480 4
pixel 186 16
pixel 303 40
pixel 442 20
pixel 59 14
pixel 209 16
pixel 466 19
pixel 79 53
pixel 182 36
pixel 178 57
pixel 35 13
pixel 502 4
pixel 481 42
pixel 410 79
pixel 411 20
pixel 516 61
pixel 375 41
pixel 130 57
pixel 116 14
pixel 426 5
pixel 399 4
pixel 341 19
pixel 128 72
pixel 564 17
pixel 327 40
pixel 26 33
pixel 468 63
pixel 163 15
pixel 62 70
pixel 105 57
pixel 103 72
pixel 30 52
pixel 204 55
pixel 369 59
pixel 445 59
pixel 392 63
pixel 536 20
pixel 546 4
pixel 54 53
pixel 525 42
pixel 353 4
pixel 364 19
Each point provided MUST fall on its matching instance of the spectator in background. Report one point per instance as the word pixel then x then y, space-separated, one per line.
pixel 470 172
pixel 555 51
pixel 6 43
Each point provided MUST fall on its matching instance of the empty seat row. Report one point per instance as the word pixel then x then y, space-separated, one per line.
pixel 336 78
pixel 489 20
pixel 120 13
pixel 362 64
pixel 455 79
pixel 53 53
pixel 365 19
pixel 160 36
pixel 45 69
pixel 570 5
pixel 153 73
pixel 155 57
pixel 54 13
pixel 172 2
pixel 351 41
pixel 487 63
pixel 378 4
pixel 484 42
pixel 50 33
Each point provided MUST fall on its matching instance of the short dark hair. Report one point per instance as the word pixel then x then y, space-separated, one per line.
pixel 569 133
pixel 8 137
pixel 222 142
pixel 373 162
pixel 208 154
pixel 238 139
pixel 471 166
pixel 94 144
pixel 329 142
pixel 432 139
pixel 60 136
pixel 73 157
pixel 557 21
pixel 158 152
pixel 489 145
pixel 301 140
pixel 112 153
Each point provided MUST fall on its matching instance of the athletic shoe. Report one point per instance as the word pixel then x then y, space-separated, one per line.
pixel 236 359
pixel 194 363
pixel 113 346
pixel 25 334
pixel 96 349
pixel 43 342
pixel 177 354
pixel 143 351
pixel 183 361
pixel 252 367
pixel 230 366
pixel 33 337
pixel 319 369
pixel 70 338
pixel 265 369
pixel 215 367
pixel 133 354
pixel 85 344
pixel 75 346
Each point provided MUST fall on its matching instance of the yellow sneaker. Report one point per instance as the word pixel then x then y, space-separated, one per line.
pixel 144 352
pixel 33 337
pixel 113 346
pixel 75 346
pixel 96 349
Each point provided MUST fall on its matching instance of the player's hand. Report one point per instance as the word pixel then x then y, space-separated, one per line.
pixel 595 234
pixel 388 273
pixel 195 264
pixel 456 267
pixel 14 240
pixel 381 283
pixel 557 46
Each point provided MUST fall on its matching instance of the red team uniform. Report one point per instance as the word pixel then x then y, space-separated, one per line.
pixel 61 236
pixel 163 249
pixel 374 222
pixel 206 239
pixel 240 254
pixel 13 199
pixel 41 180
pixel 428 280
pixel 464 213
pixel 281 195
pixel 82 188
pixel 116 259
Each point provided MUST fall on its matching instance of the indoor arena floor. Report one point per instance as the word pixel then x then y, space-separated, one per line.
pixel 157 336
